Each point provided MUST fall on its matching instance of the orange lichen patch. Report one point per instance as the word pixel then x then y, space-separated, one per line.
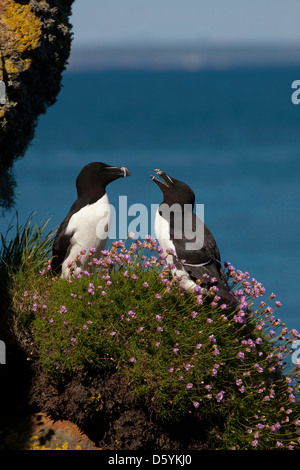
pixel 39 432
pixel 20 28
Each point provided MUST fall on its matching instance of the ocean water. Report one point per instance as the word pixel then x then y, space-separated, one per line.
pixel 233 135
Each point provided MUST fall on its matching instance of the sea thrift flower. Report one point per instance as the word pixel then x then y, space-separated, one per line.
pixel 196 404
pixel 91 289
pixel 34 307
pixel 63 309
pixel 194 314
pixel 132 359
pixel 199 346
pixel 241 355
pixel 258 368
pixel 158 317
pixel 197 290
pixel 220 395
pixel 275 427
pixel 261 426
pixel 157 296
pixel 145 284
pixel 212 339
pixel 213 289
pixel 189 386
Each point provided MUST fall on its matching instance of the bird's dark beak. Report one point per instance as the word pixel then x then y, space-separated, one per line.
pixel 119 172
pixel 167 180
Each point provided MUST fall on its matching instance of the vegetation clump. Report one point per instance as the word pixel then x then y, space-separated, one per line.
pixel 183 353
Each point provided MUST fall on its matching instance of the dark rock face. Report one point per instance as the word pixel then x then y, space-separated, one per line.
pixel 105 410
pixel 35 42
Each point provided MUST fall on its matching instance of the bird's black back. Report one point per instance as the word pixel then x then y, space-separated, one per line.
pixel 62 242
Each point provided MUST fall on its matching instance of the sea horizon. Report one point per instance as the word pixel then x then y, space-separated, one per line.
pixel 189 57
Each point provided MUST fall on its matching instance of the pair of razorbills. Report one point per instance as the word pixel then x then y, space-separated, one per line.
pixel 78 230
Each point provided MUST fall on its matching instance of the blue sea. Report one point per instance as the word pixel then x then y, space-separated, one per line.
pixel 232 134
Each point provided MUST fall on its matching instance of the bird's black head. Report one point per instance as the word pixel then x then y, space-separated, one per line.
pixel 174 191
pixel 94 177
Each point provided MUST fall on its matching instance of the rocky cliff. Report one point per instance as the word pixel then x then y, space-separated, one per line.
pixel 35 40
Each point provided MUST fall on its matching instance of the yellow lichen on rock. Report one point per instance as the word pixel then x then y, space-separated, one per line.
pixel 10 66
pixel 21 29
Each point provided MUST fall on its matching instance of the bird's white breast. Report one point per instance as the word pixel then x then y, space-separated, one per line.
pixel 90 228
pixel 162 232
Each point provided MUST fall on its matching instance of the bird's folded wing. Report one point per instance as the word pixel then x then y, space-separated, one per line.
pixel 193 241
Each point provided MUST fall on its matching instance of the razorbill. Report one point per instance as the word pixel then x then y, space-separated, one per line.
pixel 88 221
pixel 190 248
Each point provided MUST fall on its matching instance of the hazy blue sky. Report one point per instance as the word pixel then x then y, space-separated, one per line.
pixel 104 22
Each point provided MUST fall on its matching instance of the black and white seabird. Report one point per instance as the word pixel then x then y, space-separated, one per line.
pixel 88 222
pixel 188 244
